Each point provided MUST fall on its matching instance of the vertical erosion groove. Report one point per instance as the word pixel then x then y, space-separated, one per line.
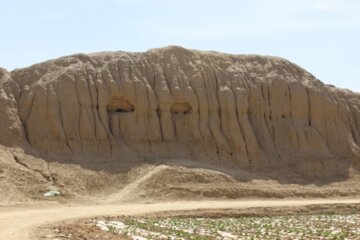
pixel 61 117
pixel 309 106
pixel 222 136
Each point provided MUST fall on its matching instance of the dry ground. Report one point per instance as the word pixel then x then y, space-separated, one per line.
pixel 25 178
pixel 19 223
pixel 143 187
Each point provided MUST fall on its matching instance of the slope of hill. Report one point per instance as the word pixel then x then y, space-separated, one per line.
pixel 94 123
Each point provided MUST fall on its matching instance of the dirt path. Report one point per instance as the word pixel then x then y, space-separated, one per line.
pixel 129 190
pixel 18 223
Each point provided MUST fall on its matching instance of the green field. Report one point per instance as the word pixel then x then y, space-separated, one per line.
pixel 275 227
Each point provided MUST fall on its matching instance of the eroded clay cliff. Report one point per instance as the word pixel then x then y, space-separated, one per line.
pixel 255 112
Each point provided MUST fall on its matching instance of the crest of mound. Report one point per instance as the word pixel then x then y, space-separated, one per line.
pixel 250 112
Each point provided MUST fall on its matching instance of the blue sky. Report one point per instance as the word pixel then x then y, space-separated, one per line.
pixel 322 36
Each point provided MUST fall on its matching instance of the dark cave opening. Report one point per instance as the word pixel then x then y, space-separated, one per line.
pixel 120 105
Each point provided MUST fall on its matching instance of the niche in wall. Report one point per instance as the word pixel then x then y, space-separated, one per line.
pixel 181 108
pixel 120 105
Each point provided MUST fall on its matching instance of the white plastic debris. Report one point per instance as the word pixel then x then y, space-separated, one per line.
pixel 107 225
pixel 227 235
pixel 138 238
pixel 51 193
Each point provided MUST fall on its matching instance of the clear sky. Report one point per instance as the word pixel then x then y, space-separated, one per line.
pixel 322 36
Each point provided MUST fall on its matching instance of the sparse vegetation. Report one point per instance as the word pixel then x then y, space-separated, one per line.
pixel 325 227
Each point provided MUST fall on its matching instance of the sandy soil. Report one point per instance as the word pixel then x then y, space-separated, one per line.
pixel 114 188
pixel 26 179
pixel 21 222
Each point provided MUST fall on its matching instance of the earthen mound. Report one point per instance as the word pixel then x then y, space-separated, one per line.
pixel 257 114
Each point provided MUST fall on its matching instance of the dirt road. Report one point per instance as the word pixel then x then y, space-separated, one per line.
pixel 19 223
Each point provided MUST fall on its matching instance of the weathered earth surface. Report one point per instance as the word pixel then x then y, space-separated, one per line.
pixel 95 123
